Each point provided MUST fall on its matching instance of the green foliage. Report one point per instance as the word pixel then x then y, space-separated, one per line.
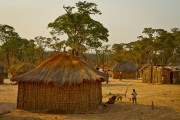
pixel 157 47
pixel 81 29
pixel 7 34
pixel 161 47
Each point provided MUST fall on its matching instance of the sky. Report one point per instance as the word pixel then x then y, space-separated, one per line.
pixel 125 19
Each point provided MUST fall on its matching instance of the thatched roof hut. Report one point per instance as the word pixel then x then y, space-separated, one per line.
pixel 63 83
pixel 128 71
pixel 176 74
pixel 159 74
pixel 165 75
pixel 146 73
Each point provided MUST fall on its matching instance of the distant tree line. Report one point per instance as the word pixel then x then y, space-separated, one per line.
pixel 84 34
pixel 157 47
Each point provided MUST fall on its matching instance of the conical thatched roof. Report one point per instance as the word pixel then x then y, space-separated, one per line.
pixel 125 67
pixel 60 69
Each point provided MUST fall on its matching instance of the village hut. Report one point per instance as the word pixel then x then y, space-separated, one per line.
pixel 146 73
pixel 162 75
pixel 63 84
pixel 124 71
pixel 176 74
pixel 159 74
pixel 165 75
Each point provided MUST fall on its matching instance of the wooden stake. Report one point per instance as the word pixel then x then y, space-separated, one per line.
pixel 152 105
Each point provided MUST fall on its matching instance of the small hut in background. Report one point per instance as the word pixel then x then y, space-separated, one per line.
pixel 125 71
pixel 176 74
pixel 165 75
pixel 63 84
pixel 146 73
pixel 160 74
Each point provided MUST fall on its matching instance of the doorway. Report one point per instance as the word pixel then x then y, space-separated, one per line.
pixel 171 77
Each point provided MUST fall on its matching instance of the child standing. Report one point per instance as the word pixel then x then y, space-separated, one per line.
pixel 134 94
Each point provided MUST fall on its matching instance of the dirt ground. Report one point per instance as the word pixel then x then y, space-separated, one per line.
pixel 166 100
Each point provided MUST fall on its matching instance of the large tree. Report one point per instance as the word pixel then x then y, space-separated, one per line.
pixel 176 56
pixel 7 34
pixel 81 29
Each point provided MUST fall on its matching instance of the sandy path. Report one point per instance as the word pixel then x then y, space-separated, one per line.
pixel 166 99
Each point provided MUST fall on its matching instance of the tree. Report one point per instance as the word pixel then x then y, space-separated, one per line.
pixel 42 43
pixel 164 45
pixel 158 47
pixel 7 33
pixel 121 54
pixel 81 29
pixel 29 51
pixel 176 56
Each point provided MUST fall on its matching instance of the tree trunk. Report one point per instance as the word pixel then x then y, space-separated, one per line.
pixel 7 58
pixel 97 63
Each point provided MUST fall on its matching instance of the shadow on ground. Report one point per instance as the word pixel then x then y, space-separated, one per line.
pixel 110 85
pixel 9 117
pixel 117 111
pixel 5 106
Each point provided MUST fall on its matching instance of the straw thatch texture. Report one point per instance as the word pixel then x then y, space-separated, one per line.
pixel 63 84
pixel 61 69
pixel 24 67
pixel 170 76
pixel 159 72
pixel 146 74
pixel 176 76
pixel 128 71
pixel 140 70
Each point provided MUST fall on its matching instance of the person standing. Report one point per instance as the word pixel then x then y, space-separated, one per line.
pixel 120 75
pixel 134 94
pixel 107 81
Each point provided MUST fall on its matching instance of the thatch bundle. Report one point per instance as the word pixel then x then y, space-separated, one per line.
pixel 63 83
pixel 21 68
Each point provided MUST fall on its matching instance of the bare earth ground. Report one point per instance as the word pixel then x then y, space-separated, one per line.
pixel 166 100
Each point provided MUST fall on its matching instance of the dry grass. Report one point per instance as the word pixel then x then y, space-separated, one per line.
pixel 166 100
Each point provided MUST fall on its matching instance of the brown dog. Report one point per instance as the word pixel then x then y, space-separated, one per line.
pixel 119 98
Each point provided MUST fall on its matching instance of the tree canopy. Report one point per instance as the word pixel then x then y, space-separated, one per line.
pixel 157 47
pixel 81 29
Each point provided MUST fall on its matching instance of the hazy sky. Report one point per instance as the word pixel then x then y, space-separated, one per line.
pixel 125 19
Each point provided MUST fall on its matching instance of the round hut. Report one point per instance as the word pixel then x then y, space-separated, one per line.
pixel 63 84
pixel 124 71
